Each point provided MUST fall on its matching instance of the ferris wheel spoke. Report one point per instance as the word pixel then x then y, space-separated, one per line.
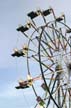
pixel 46 66
pixel 50 38
pixel 48 44
pixel 53 33
pixel 52 90
pixel 64 95
pixel 47 54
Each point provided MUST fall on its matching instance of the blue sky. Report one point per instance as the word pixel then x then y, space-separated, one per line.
pixel 13 13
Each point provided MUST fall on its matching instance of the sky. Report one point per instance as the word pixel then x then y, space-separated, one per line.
pixel 13 13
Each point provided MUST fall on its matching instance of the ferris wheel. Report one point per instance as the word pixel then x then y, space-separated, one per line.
pixel 49 45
